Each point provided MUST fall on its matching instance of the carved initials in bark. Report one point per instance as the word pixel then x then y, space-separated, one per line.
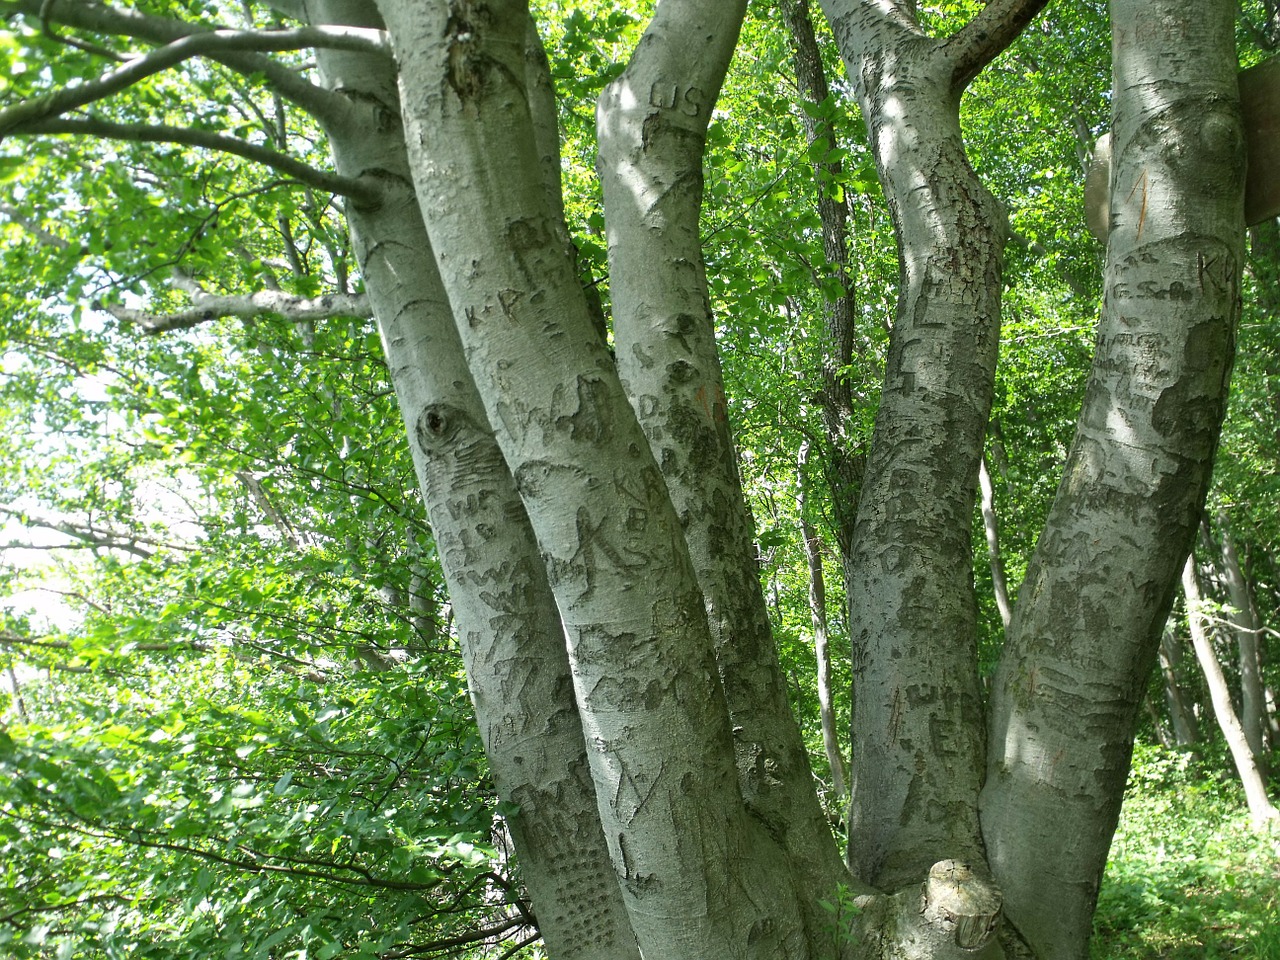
pixel 671 96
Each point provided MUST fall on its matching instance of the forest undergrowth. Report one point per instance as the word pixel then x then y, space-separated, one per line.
pixel 1188 877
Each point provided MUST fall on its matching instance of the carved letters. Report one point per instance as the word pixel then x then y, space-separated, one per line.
pixel 672 96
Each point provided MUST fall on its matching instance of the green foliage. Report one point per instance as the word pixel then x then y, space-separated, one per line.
pixel 1187 877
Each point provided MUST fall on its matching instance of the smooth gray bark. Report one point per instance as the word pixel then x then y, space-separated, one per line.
pixel 821 637
pixel 991 527
pixel 1247 629
pixel 698 876
pixel 1089 614
pixel 651 124
pixel 1186 729
pixel 918 716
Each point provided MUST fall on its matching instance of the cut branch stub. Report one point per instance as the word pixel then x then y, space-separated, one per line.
pixel 954 898
pixel 953 915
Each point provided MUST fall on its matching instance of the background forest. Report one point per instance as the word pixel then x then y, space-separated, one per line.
pixel 234 720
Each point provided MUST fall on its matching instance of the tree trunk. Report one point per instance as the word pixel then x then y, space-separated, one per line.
pixel 1247 630
pixel 844 458
pixel 651 124
pixel 821 640
pixel 1089 614
pixel 508 623
pixel 917 706
pixel 991 527
pixel 1186 730
pixel 1260 808
pixel 698 876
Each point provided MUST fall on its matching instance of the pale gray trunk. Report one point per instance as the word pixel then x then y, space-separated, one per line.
pixel 1089 614
pixel 1261 809
pixel 651 124
pixel 991 527
pixel 1186 730
pixel 917 705
pixel 1247 629
pixel 508 623
pixel 699 878
pixel 821 638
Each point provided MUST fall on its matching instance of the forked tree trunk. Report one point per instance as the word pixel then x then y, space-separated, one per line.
pixel 699 877
pixel 918 738
pixel 638 727
pixel 508 623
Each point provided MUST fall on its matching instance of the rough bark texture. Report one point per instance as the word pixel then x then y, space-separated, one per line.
pixel 508 624
pixel 917 713
pixel 1089 614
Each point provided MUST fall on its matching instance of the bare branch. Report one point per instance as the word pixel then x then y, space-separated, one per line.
pixel 96 535
pixel 363 191
pixel 986 36
pixel 207 307
pixel 197 44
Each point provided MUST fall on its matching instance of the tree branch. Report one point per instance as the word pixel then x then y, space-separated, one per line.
pixel 197 44
pixel 94 535
pixel 363 191
pixel 99 18
pixel 207 307
pixel 33 227
pixel 986 36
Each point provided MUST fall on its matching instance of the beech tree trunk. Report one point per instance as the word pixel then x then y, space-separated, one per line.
pixel 509 626
pixel 918 735
pixel 1099 587
pixel 1247 630
pixel 821 637
pixel 1186 730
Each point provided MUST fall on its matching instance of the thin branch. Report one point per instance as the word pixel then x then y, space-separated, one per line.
pixel 14 640
pixel 33 227
pixel 195 45
pixel 91 48
pixel 986 36
pixel 208 307
pixel 294 9
pixel 100 18
pixel 9 918
pixel 449 944
pixel 361 190
pixel 96 535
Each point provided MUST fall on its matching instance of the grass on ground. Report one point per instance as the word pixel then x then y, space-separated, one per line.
pixel 1188 877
